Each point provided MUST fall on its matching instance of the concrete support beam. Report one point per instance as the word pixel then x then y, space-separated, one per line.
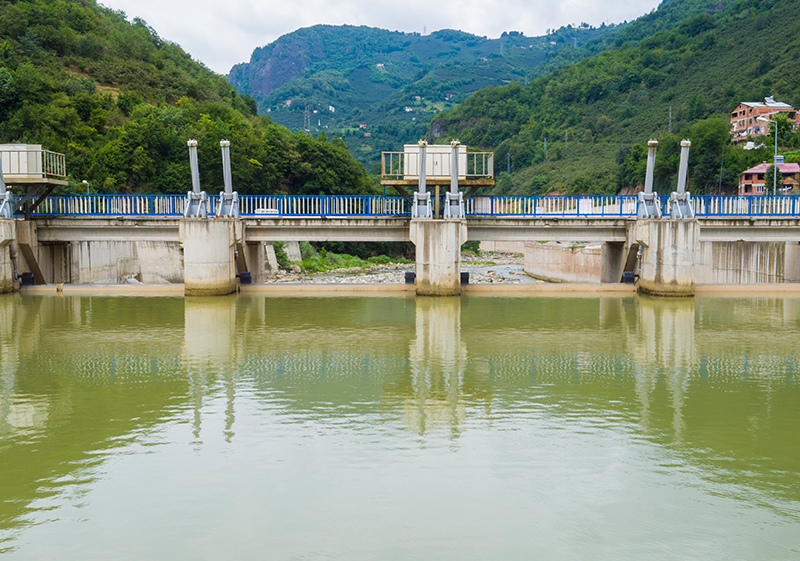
pixel 746 230
pixel 329 230
pixel 255 260
pixel 612 261
pixel 208 256
pixel 28 243
pixel 548 229
pixel 438 255
pixel 107 229
pixel 6 266
pixel 270 260
pixel 791 263
pixel 293 251
pixel 668 256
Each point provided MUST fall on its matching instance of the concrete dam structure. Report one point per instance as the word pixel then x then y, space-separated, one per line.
pixel 205 241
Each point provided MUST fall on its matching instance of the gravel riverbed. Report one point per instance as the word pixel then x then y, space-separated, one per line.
pixel 486 268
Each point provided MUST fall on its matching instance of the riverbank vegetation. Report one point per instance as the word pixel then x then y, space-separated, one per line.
pixel 322 260
pixel 121 102
pixel 584 127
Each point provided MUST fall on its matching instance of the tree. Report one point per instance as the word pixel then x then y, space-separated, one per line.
pixel 769 181
pixel 708 137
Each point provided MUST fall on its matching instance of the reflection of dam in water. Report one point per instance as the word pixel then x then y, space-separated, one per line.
pixel 696 394
pixel 422 349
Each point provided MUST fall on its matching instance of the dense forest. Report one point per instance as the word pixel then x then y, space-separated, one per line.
pixel 583 128
pixel 121 102
pixel 391 82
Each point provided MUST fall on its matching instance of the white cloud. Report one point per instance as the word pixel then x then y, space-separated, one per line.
pixel 223 34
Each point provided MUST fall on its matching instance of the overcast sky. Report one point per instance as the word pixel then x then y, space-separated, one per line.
pixel 221 34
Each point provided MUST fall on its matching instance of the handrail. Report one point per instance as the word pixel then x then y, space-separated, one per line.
pixel 45 164
pixel 283 206
pixel 262 206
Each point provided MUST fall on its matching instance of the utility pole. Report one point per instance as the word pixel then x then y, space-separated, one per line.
pixel 508 164
pixel 721 165
pixel 565 142
pixel 307 120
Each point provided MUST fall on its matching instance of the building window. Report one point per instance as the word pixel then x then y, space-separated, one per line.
pixel 759 189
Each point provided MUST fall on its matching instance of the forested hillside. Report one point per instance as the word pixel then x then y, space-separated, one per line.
pixel 391 82
pixel 121 102
pixel 583 127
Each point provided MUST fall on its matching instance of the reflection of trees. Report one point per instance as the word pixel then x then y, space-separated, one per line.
pixel 711 380
pixel 79 376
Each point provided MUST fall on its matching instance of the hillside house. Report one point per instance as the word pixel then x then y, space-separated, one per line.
pixel 753 180
pixel 745 123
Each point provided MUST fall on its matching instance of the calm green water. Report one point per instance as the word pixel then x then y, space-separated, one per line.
pixel 394 428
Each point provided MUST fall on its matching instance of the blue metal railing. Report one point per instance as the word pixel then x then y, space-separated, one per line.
pixel 249 205
pixel 597 206
pixel 569 206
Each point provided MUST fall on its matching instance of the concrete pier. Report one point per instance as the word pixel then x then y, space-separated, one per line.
pixel 668 256
pixel 438 255
pixel 208 256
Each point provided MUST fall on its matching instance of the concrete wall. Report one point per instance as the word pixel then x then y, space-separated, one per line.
pixel 747 262
pixel 715 262
pixel 109 262
pixel 506 247
pixel 557 262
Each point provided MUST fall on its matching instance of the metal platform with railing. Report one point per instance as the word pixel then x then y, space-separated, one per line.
pixel 34 170
pixel 25 164
pixel 403 168
pixel 329 206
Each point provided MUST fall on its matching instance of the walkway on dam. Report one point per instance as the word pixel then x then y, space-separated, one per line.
pixel 327 206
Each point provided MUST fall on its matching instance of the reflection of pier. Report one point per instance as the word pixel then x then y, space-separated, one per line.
pixel 437 357
pixel 79 376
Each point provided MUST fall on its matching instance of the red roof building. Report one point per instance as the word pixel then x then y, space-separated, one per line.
pixel 745 123
pixel 753 180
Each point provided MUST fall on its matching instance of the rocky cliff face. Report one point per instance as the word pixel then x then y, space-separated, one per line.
pixel 271 66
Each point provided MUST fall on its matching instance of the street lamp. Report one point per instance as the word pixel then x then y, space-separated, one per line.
pixel 775 158
pixel 87 185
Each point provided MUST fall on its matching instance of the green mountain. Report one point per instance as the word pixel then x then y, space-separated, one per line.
pixel 121 102
pixel 583 127
pixel 379 89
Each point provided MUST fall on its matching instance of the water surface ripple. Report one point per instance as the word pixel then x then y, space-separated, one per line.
pixel 252 427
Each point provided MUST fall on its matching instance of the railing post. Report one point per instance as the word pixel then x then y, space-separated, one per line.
pixel 195 199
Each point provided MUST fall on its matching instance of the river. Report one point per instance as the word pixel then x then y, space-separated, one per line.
pixel 257 427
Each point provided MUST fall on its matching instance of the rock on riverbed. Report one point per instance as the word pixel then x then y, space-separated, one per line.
pixel 486 268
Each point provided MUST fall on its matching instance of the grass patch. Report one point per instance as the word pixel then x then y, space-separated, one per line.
pixel 323 261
